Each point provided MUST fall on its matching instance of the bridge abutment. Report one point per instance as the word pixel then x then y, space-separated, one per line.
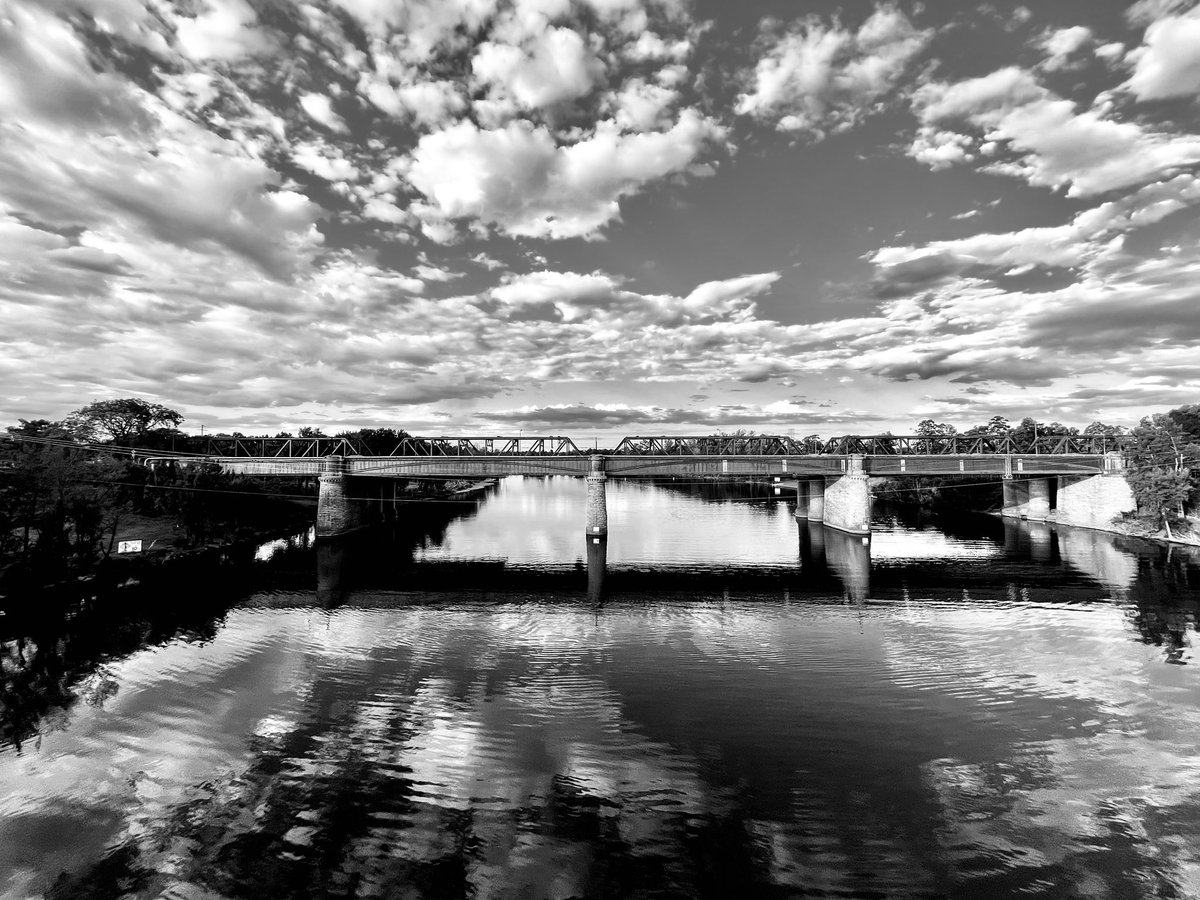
pixel 597 499
pixel 847 500
pixel 1093 501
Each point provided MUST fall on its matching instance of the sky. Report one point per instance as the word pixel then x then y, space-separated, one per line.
pixel 600 217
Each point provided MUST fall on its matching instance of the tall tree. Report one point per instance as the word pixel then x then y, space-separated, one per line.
pixel 127 419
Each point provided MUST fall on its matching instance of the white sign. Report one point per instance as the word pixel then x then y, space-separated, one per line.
pixel 129 547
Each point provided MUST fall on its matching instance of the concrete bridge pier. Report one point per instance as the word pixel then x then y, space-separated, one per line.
pixel 801 500
pixel 847 500
pixel 1038 508
pixel 337 512
pixel 1093 501
pixel 816 500
pixel 597 500
pixel 1016 498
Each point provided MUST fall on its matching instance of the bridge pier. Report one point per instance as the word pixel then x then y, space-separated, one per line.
pixel 597 499
pixel 1038 508
pixel 337 512
pixel 847 500
pixel 816 500
pixel 1016 498
pixel 1093 501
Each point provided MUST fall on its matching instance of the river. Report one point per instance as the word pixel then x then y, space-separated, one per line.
pixel 717 702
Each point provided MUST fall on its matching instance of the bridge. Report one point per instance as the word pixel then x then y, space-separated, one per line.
pixel 1077 477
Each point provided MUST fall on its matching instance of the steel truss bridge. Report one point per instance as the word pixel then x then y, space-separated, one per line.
pixel 670 445
pixel 715 455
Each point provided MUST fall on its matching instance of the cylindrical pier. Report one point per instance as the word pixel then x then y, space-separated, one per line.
pixel 597 500
pixel 335 513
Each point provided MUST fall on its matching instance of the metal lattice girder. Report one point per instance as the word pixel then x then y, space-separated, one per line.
pixel 487 446
pixel 883 445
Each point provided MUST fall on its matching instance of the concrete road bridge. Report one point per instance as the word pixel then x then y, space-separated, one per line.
pixel 1077 477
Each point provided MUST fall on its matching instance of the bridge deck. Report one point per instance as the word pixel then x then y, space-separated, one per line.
pixel 668 465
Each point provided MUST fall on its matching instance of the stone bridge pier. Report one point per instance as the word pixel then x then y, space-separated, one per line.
pixel 597 499
pixel 847 501
pixel 336 512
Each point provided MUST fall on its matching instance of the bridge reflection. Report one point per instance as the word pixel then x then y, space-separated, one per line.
pixel 829 564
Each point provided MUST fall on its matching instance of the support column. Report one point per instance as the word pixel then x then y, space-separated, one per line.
pixel 816 500
pixel 1094 501
pixel 1037 507
pixel 801 500
pixel 337 513
pixel 1016 498
pixel 597 501
pixel 847 505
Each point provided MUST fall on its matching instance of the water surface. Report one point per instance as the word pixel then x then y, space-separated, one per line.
pixel 718 702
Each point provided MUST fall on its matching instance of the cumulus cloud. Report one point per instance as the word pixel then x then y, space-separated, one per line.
pixel 1167 64
pixel 518 180
pixel 553 65
pixel 224 30
pixel 1049 141
pixel 319 108
pixel 1061 44
pixel 815 77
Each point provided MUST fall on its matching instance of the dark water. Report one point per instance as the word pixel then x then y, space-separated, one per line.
pixel 734 706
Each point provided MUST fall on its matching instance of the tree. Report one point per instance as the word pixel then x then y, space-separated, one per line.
pixel 379 441
pixel 308 431
pixel 1099 429
pixel 1159 490
pixel 996 426
pixel 1188 420
pixel 1157 473
pixel 930 428
pixel 125 420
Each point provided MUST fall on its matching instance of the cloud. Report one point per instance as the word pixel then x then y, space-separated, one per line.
pixel 519 181
pixel 552 66
pixel 319 108
pixel 1085 238
pixel 1050 143
pixel 619 415
pixel 1061 44
pixel 224 30
pixel 816 77
pixel 1167 64
pixel 46 78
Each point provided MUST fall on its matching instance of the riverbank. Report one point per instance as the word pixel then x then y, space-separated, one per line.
pixel 143 547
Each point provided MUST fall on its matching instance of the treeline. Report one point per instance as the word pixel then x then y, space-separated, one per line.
pixel 62 503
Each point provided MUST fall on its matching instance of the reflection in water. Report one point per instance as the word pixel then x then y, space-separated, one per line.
pixel 849 556
pixel 597 564
pixel 443 719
